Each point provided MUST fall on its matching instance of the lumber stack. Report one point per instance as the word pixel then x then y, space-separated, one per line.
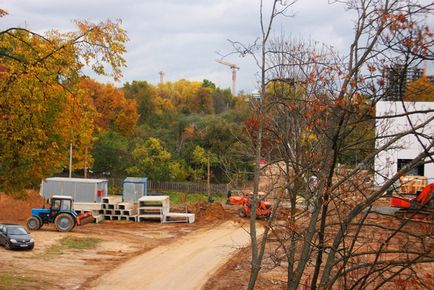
pixel 412 184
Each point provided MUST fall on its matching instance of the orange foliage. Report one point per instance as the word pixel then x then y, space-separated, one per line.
pixel 114 111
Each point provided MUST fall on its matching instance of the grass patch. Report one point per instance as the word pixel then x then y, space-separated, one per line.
pixel 68 243
pixel 12 281
pixel 51 252
pixel 80 243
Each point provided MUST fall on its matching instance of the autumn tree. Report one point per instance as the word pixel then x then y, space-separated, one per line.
pixel 329 236
pixel 40 103
pixel 189 97
pixel 421 90
pixel 114 111
pixel 203 101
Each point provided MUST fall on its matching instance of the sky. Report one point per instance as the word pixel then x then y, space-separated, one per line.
pixel 183 38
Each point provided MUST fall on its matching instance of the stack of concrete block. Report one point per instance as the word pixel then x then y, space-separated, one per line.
pixel 153 207
pixel 95 208
pixel 158 207
pixel 115 209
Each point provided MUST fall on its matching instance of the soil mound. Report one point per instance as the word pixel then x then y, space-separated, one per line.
pixel 14 210
pixel 208 211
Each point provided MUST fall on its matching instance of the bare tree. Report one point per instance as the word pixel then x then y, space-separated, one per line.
pixel 317 110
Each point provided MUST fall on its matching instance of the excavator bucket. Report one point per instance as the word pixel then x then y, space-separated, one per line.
pixel 85 218
pixel 400 202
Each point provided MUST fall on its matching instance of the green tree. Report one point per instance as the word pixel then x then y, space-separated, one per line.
pixel 152 160
pixel 203 158
pixel 222 100
pixel 144 94
pixel 111 153
pixel 226 140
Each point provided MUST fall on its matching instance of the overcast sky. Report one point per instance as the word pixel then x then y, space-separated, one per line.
pixel 182 37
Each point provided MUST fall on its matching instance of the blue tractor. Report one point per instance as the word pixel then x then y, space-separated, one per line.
pixel 60 213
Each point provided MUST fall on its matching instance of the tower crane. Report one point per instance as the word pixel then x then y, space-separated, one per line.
pixel 161 73
pixel 234 68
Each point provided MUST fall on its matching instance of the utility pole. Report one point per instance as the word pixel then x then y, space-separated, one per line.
pixel 70 160
pixel 85 162
pixel 208 180
pixel 234 68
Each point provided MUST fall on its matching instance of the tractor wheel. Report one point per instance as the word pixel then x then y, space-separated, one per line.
pixel 34 223
pixel 64 222
pixel 41 221
pixel 243 213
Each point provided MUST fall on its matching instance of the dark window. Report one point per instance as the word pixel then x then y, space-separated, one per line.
pixel 55 204
pixel 416 171
pixel 66 205
pixel 16 231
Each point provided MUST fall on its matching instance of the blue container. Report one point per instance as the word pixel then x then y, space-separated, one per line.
pixel 134 188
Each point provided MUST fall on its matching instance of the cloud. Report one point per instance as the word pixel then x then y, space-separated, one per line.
pixel 182 37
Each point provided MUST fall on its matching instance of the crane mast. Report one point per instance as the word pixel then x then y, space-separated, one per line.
pixel 161 73
pixel 234 68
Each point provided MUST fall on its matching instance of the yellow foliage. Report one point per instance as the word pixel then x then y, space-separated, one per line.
pixel 41 108
pixel 420 90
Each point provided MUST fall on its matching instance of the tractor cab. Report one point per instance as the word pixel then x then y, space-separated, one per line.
pixel 60 203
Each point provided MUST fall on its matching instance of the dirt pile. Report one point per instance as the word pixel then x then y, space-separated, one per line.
pixel 12 209
pixel 208 211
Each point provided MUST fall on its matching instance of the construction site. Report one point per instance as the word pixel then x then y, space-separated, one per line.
pixel 149 244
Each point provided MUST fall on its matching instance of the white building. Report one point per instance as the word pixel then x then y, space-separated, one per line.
pixel 389 161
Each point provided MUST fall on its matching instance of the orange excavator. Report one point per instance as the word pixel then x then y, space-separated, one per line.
pixel 421 205
pixel 242 198
pixel 263 208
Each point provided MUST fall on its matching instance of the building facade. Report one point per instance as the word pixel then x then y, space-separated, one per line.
pixel 402 116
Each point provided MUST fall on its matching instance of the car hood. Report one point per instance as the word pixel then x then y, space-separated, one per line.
pixel 20 237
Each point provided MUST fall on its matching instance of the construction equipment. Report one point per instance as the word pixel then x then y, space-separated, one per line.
pixel 242 198
pixel 421 205
pixel 234 68
pixel 263 209
pixel 60 213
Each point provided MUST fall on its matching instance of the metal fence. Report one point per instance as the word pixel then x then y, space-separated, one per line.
pixel 162 186
pixel 186 187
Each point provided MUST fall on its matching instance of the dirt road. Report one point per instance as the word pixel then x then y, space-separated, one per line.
pixel 185 263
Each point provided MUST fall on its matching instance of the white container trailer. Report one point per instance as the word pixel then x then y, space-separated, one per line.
pixel 81 189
